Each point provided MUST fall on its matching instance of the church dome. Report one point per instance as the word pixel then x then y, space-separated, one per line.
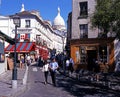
pixel 22 9
pixel 58 22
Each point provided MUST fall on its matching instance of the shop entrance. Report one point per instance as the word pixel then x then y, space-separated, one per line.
pixel 92 56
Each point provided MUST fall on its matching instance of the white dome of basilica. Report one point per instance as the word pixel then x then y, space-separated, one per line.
pixel 58 22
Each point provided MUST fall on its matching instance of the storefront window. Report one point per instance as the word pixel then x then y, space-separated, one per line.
pixel 103 53
pixel 82 55
pixel 78 56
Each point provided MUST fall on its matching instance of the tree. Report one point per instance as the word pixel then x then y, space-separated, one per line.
pixel 107 16
pixel 116 22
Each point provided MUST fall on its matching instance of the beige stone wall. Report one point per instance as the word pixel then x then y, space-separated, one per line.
pixel 76 21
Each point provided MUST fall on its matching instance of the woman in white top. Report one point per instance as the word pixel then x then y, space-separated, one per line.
pixel 45 70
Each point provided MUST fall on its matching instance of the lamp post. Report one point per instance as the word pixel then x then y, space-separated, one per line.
pixel 16 21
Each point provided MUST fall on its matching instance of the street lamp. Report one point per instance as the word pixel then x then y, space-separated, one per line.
pixel 16 21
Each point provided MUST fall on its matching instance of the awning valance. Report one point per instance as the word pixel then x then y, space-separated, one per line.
pixel 21 47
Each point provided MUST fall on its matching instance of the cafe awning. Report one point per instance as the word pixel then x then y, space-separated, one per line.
pixel 21 47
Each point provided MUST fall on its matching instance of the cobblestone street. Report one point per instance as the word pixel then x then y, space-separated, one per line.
pixel 67 86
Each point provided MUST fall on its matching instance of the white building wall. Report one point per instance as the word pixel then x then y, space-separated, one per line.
pixel 5 26
pixel 45 34
pixel 3 66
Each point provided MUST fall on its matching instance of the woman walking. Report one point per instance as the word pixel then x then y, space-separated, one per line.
pixel 21 61
pixel 45 70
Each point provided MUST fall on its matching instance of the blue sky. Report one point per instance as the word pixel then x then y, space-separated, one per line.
pixel 47 8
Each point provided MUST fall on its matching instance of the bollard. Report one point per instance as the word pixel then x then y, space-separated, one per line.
pixel 25 76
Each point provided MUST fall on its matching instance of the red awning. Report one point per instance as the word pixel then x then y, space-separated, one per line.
pixel 43 51
pixel 21 47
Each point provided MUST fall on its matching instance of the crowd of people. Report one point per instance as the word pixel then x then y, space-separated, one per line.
pixel 69 66
pixel 25 60
pixel 52 66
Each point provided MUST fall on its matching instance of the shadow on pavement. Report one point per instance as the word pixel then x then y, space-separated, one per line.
pixel 78 88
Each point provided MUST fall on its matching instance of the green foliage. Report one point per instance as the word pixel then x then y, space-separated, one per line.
pixel 107 16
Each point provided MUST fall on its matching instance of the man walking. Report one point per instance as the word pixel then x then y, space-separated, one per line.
pixel 53 68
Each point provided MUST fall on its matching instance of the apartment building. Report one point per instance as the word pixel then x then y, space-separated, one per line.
pixel 88 43
pixel 35 36
pixel 33 29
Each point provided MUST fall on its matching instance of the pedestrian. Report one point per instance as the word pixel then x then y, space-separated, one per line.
pixel 53 68
pixel 28 60
pixel 96 66
pixel 97 70
pixel 21 61
pixel 117 67
pixel 45 69
pixel 67 65
pixel 39 61
pixel 71 66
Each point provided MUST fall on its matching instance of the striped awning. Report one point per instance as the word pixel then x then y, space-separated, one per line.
pixel 21 47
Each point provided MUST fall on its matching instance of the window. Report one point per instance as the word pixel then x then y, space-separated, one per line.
pixel 27 23
pixel 84 31
pixel 83 8
pixel 22 37
pixel 38 39
pixel 83 55
pixel 103 53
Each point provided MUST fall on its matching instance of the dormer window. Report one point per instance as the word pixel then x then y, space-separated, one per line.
pixel 27 23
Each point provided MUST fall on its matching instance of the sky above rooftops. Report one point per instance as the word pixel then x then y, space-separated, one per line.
pixel 47 8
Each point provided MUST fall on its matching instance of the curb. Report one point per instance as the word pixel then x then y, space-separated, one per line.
pixel 25 76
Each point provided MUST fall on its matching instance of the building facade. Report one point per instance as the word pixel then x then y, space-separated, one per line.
pixel 34 29
pixel 86 43
pixel 34 35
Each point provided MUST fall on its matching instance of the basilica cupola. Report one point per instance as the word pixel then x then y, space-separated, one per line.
pixel 22 9
pixel 58 22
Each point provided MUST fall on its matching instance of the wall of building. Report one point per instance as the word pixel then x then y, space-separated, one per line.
pixel 37 27
pixel 3 66
pixel 76 20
